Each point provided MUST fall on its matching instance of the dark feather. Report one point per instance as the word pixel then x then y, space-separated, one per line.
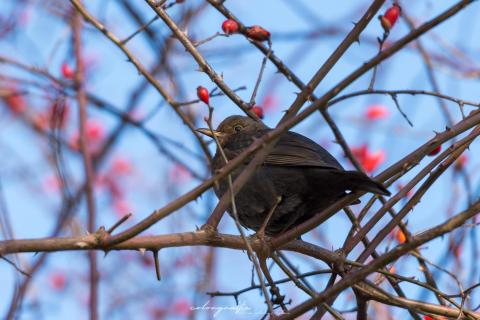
pixel 304 175
pixel 296 150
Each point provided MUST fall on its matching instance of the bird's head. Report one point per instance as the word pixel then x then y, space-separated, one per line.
pixel 232 126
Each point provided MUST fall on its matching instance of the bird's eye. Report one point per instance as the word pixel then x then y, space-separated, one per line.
pixel 238 128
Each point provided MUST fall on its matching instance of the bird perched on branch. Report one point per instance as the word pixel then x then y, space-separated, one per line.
pixel 297 179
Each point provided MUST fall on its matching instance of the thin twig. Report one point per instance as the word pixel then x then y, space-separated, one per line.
pixel 86 155
pixel 380 41
pixel 15 266
pixel 119 222
pixel 395 100
pixel 145 26
pixel 260 74
pixel 217 34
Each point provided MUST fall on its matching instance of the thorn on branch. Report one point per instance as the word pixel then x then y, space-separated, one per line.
pixel 157 264
pixel 461 105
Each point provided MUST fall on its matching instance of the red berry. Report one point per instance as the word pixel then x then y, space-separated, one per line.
pixel 270 102
pixel 51 184
pixel 374 160
pixel 40 121
pixel 94 130
pixel 369 160
pixel 436 150
pixel 15 102
pixel 400 236
pixel 257 33
pixel 67 71
pixel 390 17
pixel 121 166
pixel 202 94
pixel 460 162
pixel 157 312
pixel 181 307
pixel 392 14
pixel 258 111
pixel 376 112
pixel 58 280
pixel 229 26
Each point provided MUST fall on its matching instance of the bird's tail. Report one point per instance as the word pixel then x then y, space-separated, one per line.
pixel 360 181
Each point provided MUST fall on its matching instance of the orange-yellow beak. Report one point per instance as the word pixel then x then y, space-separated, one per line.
pixel 210 133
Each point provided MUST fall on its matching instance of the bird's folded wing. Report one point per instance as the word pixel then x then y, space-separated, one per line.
pixel 294 149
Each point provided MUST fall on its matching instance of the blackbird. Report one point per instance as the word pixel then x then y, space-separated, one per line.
pixel 297 179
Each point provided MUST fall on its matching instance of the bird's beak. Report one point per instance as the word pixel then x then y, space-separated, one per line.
pixel 209 132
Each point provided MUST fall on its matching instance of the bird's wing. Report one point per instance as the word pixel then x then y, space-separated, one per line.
pixel 293 149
